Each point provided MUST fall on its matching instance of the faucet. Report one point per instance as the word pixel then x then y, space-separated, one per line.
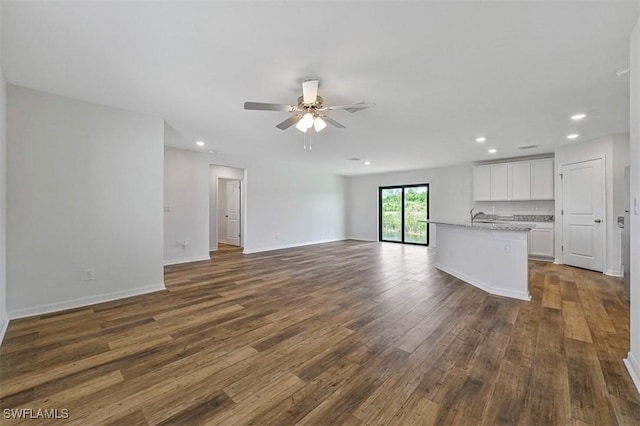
pixel 473 216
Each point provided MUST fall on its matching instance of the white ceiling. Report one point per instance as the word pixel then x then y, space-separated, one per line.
pixel 441 73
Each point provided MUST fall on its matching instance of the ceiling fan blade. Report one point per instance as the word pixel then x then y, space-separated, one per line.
pixel 261 106
pixel 289 122
pixel 354 107
pixel 310 91
pixel 333 122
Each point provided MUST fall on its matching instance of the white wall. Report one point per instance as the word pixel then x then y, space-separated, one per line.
pixel 620 161
pixel 283 205
pixel 216 224
pixel 4 320
pixel 633 359
pixel 84 191
pixel 584 151
pixel 289 206
pixel 186 206
pixel 450 195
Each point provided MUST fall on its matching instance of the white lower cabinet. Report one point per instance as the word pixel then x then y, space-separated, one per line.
pixel 541 244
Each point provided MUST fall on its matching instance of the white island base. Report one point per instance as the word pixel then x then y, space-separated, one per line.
pixel 491 258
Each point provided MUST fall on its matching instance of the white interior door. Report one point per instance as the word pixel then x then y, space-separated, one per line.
pixel 232 215
pixel 583 214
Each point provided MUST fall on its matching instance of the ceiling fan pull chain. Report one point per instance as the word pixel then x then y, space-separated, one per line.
pixel 309 131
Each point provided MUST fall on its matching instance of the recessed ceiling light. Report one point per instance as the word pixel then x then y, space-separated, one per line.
pixel 481 139
pixel 492 151
pixel 579 116
pixel 212 152
pixel 366 163
pixel 200 143
pixel 572 136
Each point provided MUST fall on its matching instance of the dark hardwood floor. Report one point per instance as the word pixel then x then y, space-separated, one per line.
pixel 339 333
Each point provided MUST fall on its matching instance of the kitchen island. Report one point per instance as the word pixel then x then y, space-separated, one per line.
pixel 492 257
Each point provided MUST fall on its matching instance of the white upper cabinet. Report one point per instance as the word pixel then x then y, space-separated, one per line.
pixel 499 182
pixel 482 183
pixel 522 180
pixel 542 179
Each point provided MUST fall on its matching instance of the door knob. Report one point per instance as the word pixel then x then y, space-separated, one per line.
pixel 597 220
pixel 226 215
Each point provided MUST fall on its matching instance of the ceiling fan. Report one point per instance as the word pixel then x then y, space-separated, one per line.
pixel 309 111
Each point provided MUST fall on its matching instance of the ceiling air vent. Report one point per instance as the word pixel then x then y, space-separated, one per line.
pixel 353 159
pixel 528 147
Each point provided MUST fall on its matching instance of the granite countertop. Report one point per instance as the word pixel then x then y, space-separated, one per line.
pixel 516 217
pixel 484 226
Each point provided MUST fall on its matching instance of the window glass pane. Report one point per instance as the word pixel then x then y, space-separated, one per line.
pixel 391 214
pixel 415 214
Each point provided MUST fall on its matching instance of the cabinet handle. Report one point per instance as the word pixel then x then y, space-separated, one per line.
pixel 597 220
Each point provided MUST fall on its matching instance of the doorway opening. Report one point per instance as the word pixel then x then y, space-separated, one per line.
pixel 403 211
pixel 226 206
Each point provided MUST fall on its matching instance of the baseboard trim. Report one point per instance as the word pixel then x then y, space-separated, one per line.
pixel 282 247
pixel 634 369
pixel 83 301
pixel 483 286
pixel 3 327
pixel 186 260
pixel 613 273
pixel 362 239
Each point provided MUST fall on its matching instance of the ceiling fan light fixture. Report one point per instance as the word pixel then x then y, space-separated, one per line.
pixel 319 124
pixel 306 122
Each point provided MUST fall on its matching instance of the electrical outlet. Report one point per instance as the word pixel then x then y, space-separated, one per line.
pixel 505 247
pixel 88 275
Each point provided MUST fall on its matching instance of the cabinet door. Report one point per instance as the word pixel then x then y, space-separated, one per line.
pixel 482 183
pixel 541 242
pixel 520 180
pixel 499 179
pixel 542 179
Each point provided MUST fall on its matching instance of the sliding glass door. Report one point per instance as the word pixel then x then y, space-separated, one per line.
pixel 403 210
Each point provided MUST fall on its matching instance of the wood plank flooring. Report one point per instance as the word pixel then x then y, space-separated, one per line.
pixel 340 333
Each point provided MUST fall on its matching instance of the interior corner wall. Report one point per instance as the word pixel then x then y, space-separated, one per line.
pixel 584 151
pixel 84 192
pixel 633 358
pixel 450 195
pixel 4 319
pixel 186 206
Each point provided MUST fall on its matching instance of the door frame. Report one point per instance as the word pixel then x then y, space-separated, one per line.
pixel 560 197
pixel 214 182
pixel 380 189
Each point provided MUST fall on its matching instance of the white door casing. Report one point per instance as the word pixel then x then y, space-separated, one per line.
pixel 583 209
pixel 232 214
